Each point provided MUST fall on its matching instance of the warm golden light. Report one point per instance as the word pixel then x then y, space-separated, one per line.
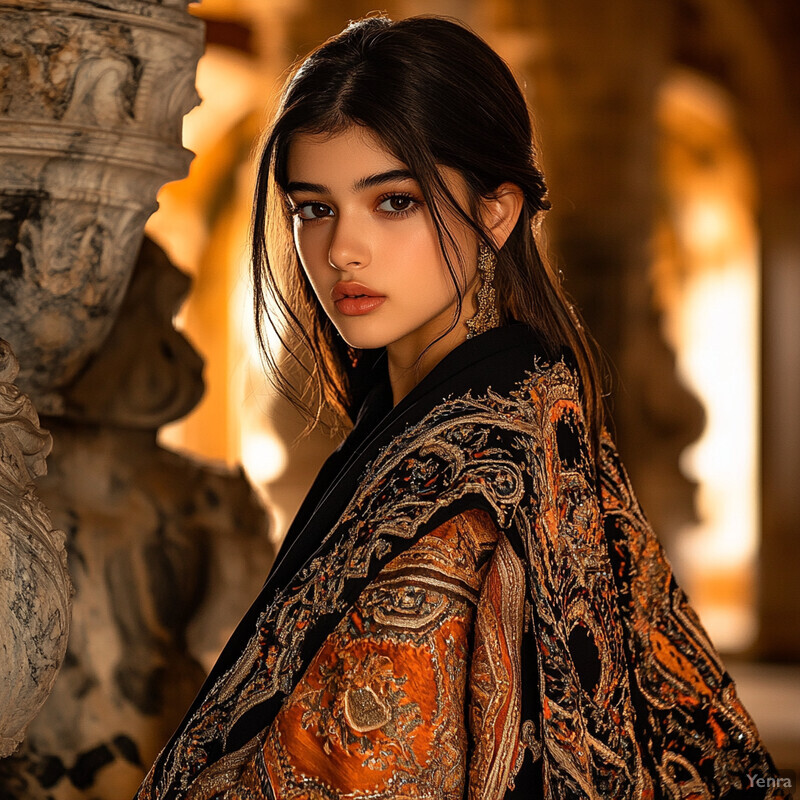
pixel 707 280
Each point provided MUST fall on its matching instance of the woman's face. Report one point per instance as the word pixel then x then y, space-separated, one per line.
pixel 368 245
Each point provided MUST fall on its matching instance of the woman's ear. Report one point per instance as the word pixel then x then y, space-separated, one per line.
pixel 500 212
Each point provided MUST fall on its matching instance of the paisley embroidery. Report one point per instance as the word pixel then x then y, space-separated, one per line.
pixel 631 699
pixel 496 679
pixel 380 711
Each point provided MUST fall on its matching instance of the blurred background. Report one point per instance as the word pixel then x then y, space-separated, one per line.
pixel 668 133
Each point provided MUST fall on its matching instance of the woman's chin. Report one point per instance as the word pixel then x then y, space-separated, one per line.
pixel 363 342
pixel 362 335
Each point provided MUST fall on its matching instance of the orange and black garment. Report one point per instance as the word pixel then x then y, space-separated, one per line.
pixel 468 605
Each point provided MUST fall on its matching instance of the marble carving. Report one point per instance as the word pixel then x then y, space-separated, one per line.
pixel 34 584
pixel 92 96
pixel 165 554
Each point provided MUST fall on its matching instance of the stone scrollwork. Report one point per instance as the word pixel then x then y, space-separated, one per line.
pixel 34 583
pixel 146 374
pixel 166 553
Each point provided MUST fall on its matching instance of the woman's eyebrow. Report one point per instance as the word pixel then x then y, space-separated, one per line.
pixel 362 183
pixel 301 186
pixel 382 177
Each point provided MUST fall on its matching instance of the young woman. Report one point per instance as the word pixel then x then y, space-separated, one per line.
pixel 469 602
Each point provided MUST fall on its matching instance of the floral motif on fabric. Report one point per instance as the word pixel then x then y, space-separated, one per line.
pixel 381 710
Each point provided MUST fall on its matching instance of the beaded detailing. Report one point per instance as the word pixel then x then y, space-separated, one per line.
pixel 486 317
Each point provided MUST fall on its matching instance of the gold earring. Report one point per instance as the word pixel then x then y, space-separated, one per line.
pixel 486 317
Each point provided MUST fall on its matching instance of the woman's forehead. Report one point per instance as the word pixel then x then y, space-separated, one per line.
pixel 350 156
pixel 343 158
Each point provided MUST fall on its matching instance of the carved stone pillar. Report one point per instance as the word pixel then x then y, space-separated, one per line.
pixel 165 555
pixel 93 95
pixel 34 584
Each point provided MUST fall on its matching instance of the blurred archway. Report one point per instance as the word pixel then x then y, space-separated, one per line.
pixel 706 280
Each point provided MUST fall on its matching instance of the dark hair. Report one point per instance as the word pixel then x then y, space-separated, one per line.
pixel 436 95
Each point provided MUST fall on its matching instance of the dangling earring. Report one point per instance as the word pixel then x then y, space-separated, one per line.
pixel 353 356
pixel 486 317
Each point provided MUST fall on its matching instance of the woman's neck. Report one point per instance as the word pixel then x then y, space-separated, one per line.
pixel 410 359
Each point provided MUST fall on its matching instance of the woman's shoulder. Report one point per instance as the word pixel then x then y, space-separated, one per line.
pixel 501 370
pixel 495 394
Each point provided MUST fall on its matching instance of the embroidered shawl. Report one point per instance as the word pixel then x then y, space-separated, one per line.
pixel 610 686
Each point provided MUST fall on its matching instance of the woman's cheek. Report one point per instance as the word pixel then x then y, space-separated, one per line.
pixel 312 254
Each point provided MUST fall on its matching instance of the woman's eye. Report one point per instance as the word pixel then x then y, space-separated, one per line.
pixel 397 203
pixel 313 211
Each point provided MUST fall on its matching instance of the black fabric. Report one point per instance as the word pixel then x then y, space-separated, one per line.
pixel 622 694
pixel 497 358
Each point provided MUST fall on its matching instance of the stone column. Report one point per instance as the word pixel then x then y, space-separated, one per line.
pixel 93 96
pixel 779 563
pixel 750 48
pixel 594 81
pixel 165 554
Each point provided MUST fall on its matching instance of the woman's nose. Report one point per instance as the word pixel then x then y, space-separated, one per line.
pixel 349 247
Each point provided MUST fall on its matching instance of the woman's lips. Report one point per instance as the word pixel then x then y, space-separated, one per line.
pixel 354 299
